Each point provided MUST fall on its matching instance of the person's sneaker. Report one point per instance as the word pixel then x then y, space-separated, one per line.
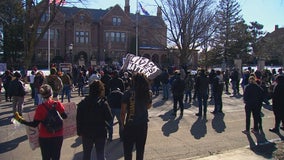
pixel 282 128
pixel 174 114
pixel 245 131
pixel 254 131
pixel 275 130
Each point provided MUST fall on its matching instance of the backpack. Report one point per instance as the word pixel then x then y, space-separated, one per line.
pixel 16 88
pixel 53 121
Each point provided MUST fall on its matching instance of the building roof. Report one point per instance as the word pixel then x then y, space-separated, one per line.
pixel 97 14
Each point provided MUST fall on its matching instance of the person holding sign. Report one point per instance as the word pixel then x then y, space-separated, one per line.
pixel 134 115
pixel 50 142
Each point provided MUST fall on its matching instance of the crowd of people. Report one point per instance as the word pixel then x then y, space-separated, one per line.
pixel 127 96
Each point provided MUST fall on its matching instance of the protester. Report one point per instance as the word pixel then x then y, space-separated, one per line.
pixel 202 87
pixel 126 80
pixel 50 143
pixel 31 80
pixel 177 89
pixel 226 78
pixel 81 81
pixel 235 81
pixel 211 76
pixel 6 79
pixel 67 87
pixel 93 113
pixel 55 82
pixel 278 104
pixel 217 87
pixel 188 87
pixel 105 79
pixel 116 82
pixel 114 100
pixel 17 91
pixel 38 81
pixel 253 98
pixel 134 115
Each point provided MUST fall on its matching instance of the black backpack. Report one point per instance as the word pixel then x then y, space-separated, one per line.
pixel 53 121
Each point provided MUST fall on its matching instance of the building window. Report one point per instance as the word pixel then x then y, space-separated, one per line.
pixel 44 17
pixel 82 37
pixel 118 37
pixel 81 17
pixel 116 21
pixel 54 34
pixel 122 37
pixel 112 36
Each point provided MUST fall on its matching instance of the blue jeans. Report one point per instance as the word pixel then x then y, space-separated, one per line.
pixel 36 97
pixel 188 95
pixel 234 87
pixel 116 113
pixel 66 91
pixel 202 100
pixel 165 90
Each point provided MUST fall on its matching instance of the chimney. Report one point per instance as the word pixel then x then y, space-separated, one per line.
pixel 159 11
pixel 276 27
pixel 127 7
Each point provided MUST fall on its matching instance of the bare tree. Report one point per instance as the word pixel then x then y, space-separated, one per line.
pixel 190 24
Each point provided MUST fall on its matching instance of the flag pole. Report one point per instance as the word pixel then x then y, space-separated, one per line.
pixel 48 45
pixel 136 27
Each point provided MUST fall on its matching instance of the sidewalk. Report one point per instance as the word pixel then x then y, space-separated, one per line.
pixel 273 150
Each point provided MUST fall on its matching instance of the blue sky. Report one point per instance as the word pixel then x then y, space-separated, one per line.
pixel 266 12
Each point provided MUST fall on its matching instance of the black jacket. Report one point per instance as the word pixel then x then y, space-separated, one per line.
pixel 178 86
pixel 92 115
pixel 16 88
pixel 278 92
pixel 253 95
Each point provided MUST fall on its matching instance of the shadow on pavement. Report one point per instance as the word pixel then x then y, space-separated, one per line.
pixel 171 125
pixel 262 147
pixel 113 150
pixel 78 142
pixel 10 145
pixel 6 120
pixel 218 123
pixel 198 128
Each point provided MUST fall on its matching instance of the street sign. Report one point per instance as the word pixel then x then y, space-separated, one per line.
pixel 65 67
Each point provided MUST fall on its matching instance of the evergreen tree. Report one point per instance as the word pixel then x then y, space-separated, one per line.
pixel 227 18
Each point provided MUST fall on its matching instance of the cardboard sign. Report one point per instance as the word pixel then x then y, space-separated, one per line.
pixel 141 65
pixel 69 125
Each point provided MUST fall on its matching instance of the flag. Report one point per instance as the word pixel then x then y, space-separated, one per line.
pixel 141 65
pixel 57 1
pixel 143 10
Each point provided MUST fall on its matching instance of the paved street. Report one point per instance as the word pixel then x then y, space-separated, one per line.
pixel 169 138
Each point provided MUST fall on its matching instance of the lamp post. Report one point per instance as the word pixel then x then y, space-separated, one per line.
pixel 70 51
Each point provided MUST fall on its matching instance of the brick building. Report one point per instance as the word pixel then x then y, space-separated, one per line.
pixel 96 36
